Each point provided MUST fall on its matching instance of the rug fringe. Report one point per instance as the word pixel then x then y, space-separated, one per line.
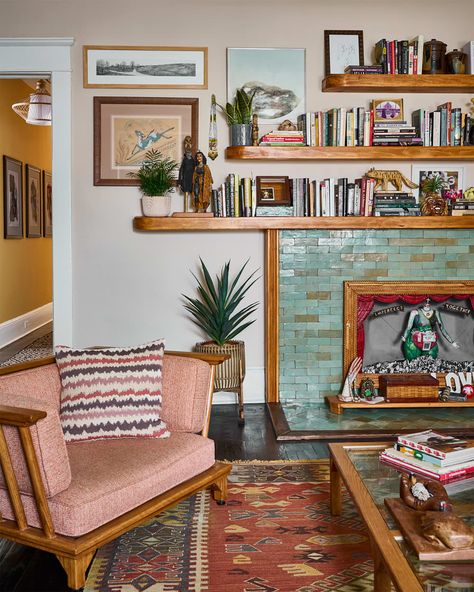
pixel 274 462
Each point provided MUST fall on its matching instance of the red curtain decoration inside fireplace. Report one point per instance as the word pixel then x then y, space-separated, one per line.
pixel 365 304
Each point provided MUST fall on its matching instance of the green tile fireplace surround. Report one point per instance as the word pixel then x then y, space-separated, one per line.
pixel 313 266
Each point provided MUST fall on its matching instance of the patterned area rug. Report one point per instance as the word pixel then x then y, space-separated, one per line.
pixel 40 348
pixel 275 534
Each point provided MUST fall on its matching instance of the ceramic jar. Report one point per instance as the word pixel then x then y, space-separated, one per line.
pixel 434 57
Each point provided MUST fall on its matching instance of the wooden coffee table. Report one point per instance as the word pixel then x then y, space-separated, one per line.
pixel 368 481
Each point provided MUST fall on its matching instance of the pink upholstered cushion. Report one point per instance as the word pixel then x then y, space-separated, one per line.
pixel 38 383
pixel 111 392
pixel 111 477
pixel 186 383
pixel 50 447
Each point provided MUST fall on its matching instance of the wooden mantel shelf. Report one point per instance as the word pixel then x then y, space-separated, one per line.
pixel 406 83
pixel 350 153
pixel 147 224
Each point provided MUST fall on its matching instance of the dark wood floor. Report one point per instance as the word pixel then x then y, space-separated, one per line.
pixel 27 570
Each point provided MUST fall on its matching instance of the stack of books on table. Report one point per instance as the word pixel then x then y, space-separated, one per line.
pixel 432 454
pixel 395 134
pixel 395 203
pixel 283 138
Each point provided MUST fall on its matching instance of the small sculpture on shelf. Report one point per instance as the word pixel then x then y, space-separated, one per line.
pixel 287 126
pixel 185 176
pixel 432 201
pixel 384 177
pixel 201 183
pixel 254 129
pixel 347 390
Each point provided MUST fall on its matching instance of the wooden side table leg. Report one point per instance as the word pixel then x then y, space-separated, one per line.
pixel 335 488
pixel 382 580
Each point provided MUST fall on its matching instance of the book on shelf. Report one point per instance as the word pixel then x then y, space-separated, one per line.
pixel 443 446
pixel 372 69
pixel 400 56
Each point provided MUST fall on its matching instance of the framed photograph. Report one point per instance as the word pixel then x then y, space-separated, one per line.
pixel 276 74
pixel 47 204
pixel 405 327
pixel 33 202
pixel 108 66
pixel 342 49
pixel 273 191
pixel 125 128
pixel 388 110
pixel 452 175
pixel 12 198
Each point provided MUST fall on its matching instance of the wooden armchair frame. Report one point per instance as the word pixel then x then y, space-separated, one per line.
pixel 75 553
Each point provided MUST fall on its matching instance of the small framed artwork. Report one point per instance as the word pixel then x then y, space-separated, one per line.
pixel 125 128
pixel 277 75
pixel 12 198
pixel 108 66
pixel 33 202
pixel 388 111
pixel 451 175
pixel 47 204
pixel 342 49
pixel 273 191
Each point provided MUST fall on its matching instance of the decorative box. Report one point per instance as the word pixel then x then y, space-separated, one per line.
pixel 397 387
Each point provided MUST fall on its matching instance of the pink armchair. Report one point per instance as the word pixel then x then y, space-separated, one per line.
pixel 70 499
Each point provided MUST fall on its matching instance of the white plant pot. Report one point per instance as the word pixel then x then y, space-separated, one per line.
pixel 156 206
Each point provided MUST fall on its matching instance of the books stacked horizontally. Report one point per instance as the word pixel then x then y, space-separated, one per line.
pixel 462 207
pixel 432 454
pixel 395 134
pixel 283 138
pixel 395 203
pixel 374 69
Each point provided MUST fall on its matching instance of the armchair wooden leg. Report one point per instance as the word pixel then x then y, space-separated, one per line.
pixel 219 490
pixel 75 568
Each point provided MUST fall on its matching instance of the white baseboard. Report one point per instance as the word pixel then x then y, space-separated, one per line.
pixel 254 389
pixel 20 326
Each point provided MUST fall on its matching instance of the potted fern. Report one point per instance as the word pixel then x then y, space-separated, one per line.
pixel 156 177
pixel 239 117
pixel 216 311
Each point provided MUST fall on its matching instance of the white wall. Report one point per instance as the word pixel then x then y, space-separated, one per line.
pixel 127 285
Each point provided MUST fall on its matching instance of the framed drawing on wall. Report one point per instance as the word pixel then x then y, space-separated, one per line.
pixel 12 198
pixel 342 49
pixel 277 75
pixel 125 128
pixel 47 204
pixel 109 66
pixel 33 202
pixel 409 327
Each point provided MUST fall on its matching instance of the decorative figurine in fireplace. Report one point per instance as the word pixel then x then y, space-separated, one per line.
pixel 421 334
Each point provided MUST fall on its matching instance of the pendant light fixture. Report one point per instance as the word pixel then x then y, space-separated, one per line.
pixel 36 109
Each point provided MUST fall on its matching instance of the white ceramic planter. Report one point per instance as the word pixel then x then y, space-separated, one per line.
pixel 156 206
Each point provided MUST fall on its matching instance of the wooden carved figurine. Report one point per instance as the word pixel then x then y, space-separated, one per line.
pixel 447 529
pixel 185 176
pixel 424 494
pixel 383 178
pixel 254 129
pixel 202 183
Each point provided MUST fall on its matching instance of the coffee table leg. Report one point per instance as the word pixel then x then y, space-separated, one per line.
pixel 335 488
pixel 382 580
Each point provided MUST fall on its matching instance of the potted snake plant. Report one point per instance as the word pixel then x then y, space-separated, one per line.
pixel 156 178
pixel 239 117
pixel 217 311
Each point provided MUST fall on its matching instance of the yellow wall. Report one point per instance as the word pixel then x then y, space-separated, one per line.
pixel 25 264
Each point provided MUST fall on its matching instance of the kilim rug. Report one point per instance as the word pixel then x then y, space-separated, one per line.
pixel 274 534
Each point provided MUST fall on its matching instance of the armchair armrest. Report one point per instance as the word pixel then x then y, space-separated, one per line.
pixel 20 416
pixel 212 359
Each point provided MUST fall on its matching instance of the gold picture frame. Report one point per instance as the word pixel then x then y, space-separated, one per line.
pixel 131 66
pixel 388 111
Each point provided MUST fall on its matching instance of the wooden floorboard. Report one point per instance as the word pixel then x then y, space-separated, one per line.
pixel 23 569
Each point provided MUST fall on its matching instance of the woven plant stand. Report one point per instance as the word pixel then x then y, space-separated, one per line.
pixel 231 373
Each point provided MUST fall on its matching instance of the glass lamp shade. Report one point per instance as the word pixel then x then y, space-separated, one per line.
pixel 36 110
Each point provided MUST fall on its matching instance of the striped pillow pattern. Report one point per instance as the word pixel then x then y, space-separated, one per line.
pixel 111 392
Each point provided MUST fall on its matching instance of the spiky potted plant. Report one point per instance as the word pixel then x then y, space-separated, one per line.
pixel 218 312
pixel 433 203
pixel 239 117
pixel 156 178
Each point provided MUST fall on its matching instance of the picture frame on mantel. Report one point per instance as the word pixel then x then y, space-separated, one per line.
pixel 128 66
pixel 12 198
pixel 342 49
pixel 125 128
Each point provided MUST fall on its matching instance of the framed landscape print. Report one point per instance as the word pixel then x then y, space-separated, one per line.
pixel 33 202
pixel 12 198
pixel 342 49
pixel 125 128
pixel 452 176
pixel 47 204
pixel 276 74
pixel 144 67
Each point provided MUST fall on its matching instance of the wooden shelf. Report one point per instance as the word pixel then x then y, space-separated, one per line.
pixel 148 224
pixel 350 153
pixel 406 83
pixel 337 406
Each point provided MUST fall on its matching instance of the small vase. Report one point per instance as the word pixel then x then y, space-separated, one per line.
pixel 156 206
pixel 241 134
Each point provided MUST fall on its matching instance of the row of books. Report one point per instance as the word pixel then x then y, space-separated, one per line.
pixel 400 56
pixel 446 126
pixel 235 198
pixel 432 454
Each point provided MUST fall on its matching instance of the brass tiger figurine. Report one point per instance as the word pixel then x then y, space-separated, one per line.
pixel 394 177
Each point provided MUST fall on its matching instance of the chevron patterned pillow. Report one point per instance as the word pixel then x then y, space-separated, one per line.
pixel 112 392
